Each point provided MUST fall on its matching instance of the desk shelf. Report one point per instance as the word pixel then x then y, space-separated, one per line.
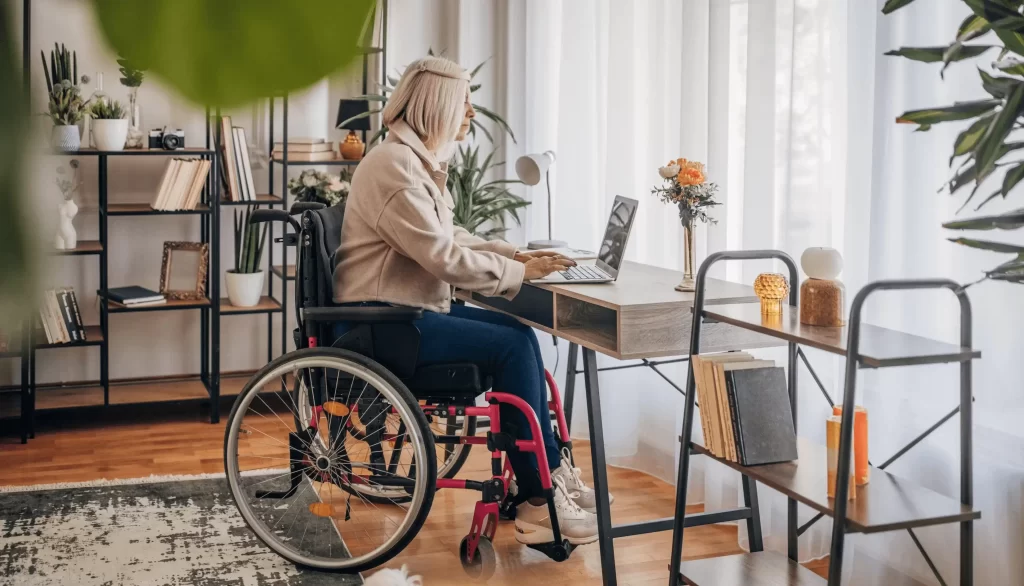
pixel 761 568
pixel 879 347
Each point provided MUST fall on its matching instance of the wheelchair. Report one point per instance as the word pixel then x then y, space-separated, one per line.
pixel 334 451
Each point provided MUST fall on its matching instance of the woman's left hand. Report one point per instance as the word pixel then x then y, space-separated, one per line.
pixel 524 257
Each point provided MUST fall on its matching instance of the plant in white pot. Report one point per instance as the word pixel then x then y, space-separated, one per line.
pixel 66 109
pixel 109 125
pixel 245 282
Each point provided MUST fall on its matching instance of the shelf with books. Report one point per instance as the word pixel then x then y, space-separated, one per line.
pixel 879 347
pixel 263 199
pixel 284 272
pixel 84 247
pixel 886 503
pixel 267 304
pixel 170 305
pixel 145 209
pixel 93 337
pixel 182 152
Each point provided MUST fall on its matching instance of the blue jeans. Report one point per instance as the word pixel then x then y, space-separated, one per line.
pixel 504 349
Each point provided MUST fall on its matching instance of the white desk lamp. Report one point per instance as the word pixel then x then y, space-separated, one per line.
pixel 529 168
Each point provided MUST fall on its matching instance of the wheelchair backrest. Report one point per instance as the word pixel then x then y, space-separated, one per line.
pixel 321 237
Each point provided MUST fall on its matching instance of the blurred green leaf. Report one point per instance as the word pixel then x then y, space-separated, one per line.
pixel 997 87
pixel 957 52
pixel 968 139
pixel 989 245
pixel 972 27
pixel 231 52
pixel 990 147
pixel 1008 221
pixel 18 264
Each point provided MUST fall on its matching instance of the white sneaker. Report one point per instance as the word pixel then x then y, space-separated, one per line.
pixel 579 492
pixel 533 524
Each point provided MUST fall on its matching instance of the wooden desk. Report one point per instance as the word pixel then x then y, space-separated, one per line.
pixel 640 316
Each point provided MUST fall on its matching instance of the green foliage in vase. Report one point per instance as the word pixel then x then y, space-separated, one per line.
pixel 481 206
pixel 63 67
pixel 108 110
pixel 249 240
pixel 989 142
pixel 381 98
pixel 321 187
pixel 66 106
pixel 130 76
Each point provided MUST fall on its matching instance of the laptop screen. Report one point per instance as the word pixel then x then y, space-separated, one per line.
pixel 613 246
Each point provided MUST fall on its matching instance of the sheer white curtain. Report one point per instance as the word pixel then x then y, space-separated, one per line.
pixel 791 104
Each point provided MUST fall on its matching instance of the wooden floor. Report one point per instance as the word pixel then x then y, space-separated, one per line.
pixel 184 442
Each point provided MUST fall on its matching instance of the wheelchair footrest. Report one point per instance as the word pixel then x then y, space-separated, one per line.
pixel 559 552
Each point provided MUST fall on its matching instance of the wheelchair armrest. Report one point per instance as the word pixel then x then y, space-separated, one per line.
pixel 365 315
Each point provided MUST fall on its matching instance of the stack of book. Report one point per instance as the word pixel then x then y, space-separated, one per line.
pixel 135 296
pixel 237 170
pixel 61 317
pixel 182 185
pixel 744 408
pixel 305 150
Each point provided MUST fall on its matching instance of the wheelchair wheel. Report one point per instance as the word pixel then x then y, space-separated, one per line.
pixel 293 484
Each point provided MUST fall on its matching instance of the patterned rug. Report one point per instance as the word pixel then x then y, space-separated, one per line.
pixel 183 531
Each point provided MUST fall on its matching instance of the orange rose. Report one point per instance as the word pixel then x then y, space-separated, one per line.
pixel 690 173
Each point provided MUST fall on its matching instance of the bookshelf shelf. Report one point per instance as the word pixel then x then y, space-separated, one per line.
pixel 171 305
pixel 267 304
pixel 84 247
pixel 284 272
pixel 91 152
pixel 879 347
pixel 144 209
pixel 335 161
pixel 750 569
pixel 886 503
pixel 263 199
pixel 93 337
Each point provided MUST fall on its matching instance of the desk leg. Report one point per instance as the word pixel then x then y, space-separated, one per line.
pixel 570 385
pixel 604 517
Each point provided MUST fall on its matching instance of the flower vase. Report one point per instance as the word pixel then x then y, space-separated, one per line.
pixel 66 138
pixel 688 284
pixel 67 237
pixel 135 136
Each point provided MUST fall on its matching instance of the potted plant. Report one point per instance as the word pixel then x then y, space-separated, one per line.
pixel 245 282
pixel 481 206
pixel 109 125
pixel 66 109
pixel 321 187
pixel 131 78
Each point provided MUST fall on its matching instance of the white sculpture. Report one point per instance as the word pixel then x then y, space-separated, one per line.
pixel 67 238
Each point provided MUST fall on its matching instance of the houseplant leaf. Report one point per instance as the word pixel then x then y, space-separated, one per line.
pixel 231 52
pixel 959 111
pixel 990 147
pixel 894 5
pixel 997 86
pixel 947 54
pixel 1008 221
pixel 989 245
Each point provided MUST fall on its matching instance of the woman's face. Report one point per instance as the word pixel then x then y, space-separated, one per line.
pixel 470 113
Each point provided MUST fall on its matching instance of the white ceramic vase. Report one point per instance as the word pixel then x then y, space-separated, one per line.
pixel 244 289
pixel 66 138
pixel 67 237
pixel 110 135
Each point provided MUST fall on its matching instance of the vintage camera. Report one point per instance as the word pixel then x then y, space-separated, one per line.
pixel 169 140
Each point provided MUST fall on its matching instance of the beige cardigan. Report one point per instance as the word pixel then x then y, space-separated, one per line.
pixel 398 242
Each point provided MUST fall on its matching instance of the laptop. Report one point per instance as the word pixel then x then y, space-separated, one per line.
pixel 613 249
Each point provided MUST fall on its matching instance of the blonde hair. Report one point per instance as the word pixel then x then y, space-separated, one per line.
pixel 430 99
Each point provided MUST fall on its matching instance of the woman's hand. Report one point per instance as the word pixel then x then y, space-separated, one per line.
pixel 541 266
pixel 523 257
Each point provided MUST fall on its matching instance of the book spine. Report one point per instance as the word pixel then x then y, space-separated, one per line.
pixel 698 385
pixel 730 391
pixel 58 320
pixel 46 326
pixel 78 316
pixel 67 315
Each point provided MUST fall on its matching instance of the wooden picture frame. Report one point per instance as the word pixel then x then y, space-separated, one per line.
pixel 199 292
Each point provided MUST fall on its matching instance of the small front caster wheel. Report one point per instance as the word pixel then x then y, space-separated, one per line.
pixel 481 567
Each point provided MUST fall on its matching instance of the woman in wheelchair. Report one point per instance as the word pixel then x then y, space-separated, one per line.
pixel 399 246
pixel 381 392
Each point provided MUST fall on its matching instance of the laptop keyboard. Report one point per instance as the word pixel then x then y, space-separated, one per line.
pixel 583 272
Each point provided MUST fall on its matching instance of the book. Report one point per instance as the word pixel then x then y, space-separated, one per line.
pixel 56 320
pixel 227 145
pixel 196 189
pixel 78 315
pixel 762 413
pixel 728 421
pixel 45 323
pixel 301 147
pixel 304 140
pixel 305 157
pixel 146 303
pixel 165 182
pixel 243 186
pixel 246 164
pixel 67 314
pixel 132 295
pixel 712 402
pixel 182 184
